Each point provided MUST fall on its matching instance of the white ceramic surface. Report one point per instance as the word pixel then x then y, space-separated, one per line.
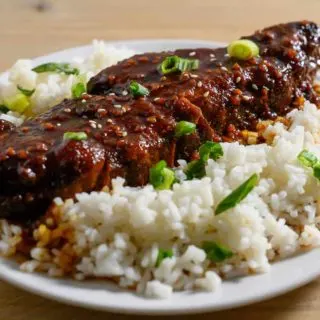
pixel 283 276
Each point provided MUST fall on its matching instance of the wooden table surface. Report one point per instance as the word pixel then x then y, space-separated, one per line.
pixel 29 28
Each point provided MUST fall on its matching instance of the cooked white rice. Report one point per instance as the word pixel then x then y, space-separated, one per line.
pixel 52 88
pixel 118 235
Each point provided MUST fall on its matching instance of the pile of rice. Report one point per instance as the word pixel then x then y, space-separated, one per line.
pixel 118 234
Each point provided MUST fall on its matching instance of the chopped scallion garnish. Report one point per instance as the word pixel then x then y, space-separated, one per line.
pixel 26 92
pixel 210 150
pixel 184 128
pixel 173 64
pixel 216 252
pixel 3 109
pixel 56 67
pixel 78 89
pixel 162 254
pixel 137 90
pixel 161 177
pixel 307 158
pixel 18 103
pixel 316 170
pixel 195 169
pixel 75 136
pixel 237 195
pixel 310 160
pixel 243 49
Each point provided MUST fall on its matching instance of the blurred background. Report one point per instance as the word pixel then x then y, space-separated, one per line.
pixel 30 28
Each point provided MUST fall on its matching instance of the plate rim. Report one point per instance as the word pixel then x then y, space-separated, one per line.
pixel 159 310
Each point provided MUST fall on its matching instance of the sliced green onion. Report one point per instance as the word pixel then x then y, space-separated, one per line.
pixel 78 89
pixel 210 150
pixel 137 90
pixel 173 64
pixel 26 92
pixel 184 128
pixel 3 109
pixel 310 160
pixel 161 177
pixel 18 103
pixel 237 195
pixel 75 136
pixel 56 67
pixel 307 158
pixel 195 169
pixel 216 252
pixel 162 254
pixel 316 170
pixel 243 49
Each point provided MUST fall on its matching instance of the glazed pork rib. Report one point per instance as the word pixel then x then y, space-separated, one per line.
pixel 127 135
pixel 227 90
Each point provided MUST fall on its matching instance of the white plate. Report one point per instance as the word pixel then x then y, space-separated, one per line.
pixel 283 276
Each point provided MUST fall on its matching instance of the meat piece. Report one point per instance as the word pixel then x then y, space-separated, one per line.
pixel 125 138
pixel 127 135
pixel 227 90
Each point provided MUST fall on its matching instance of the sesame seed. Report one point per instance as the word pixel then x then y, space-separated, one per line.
pixel 99 125
pixel 246 98
pixel 224 69
pixel 265 88
pixel 199 84
pixel 93 125
pixel 206 94
pixel 227 55
pixel 109 121
pixel 213 59
pixel 238 79
pixel 48 126
pixel 117 106
pixel 100 110
pixel 185 76
pixel 236 91
pixel 112 94
pixel 194 76
pixel 10 152
pixel 156 99
pixel 193 53
pixel 211 55
pixel 67 110
pixel 30 174
pixel 152 119
pixel 124 134
pixel 58 124
pixel 22 154
pixel 49 221
pixel 255 87
pixel 124 92
pixel 83 100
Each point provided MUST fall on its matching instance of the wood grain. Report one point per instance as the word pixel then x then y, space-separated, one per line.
pixel 29 28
